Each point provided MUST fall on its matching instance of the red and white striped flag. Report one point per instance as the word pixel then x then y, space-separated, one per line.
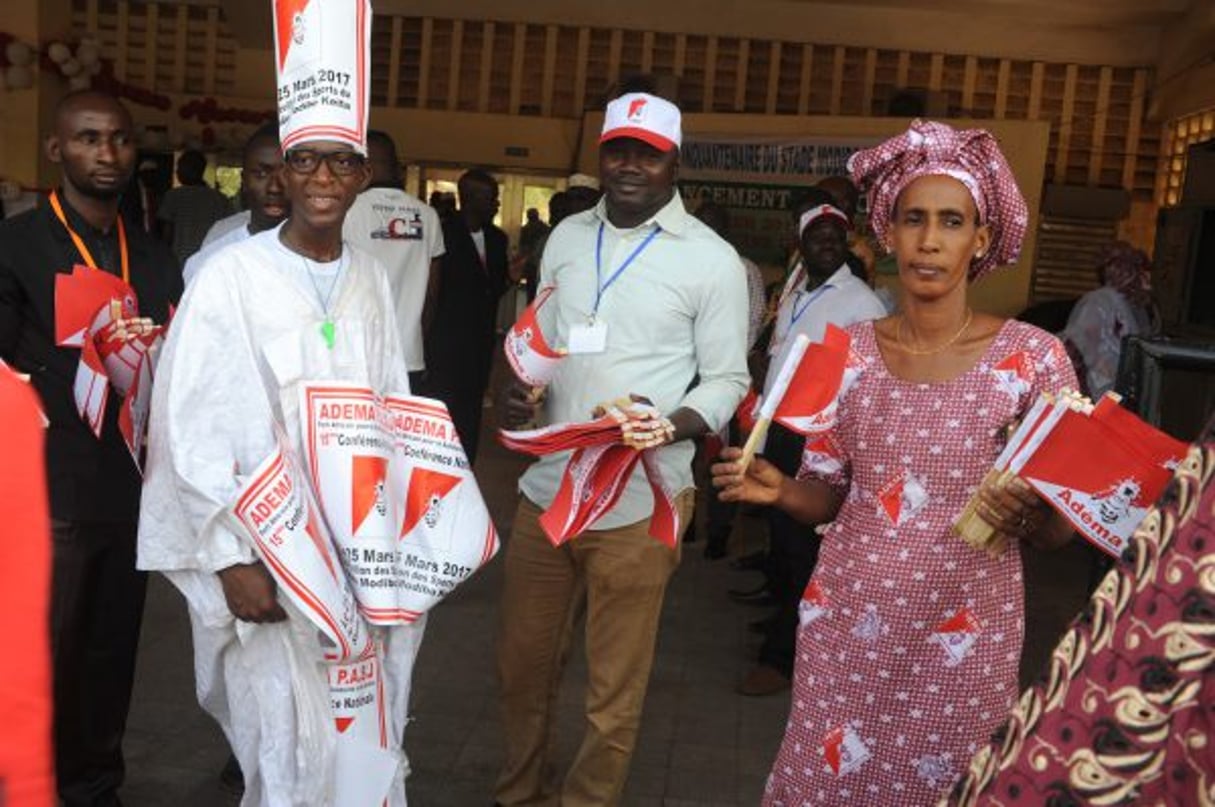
pixel 528 353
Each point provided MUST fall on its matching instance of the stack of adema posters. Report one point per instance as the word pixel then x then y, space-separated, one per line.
pixel 1098 465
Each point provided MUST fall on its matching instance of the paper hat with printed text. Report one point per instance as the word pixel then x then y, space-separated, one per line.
pixel 645 117
pixel 321 52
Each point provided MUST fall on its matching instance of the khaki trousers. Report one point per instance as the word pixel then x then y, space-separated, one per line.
pixel 620 576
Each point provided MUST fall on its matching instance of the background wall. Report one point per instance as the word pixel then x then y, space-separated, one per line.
pixel 1121 89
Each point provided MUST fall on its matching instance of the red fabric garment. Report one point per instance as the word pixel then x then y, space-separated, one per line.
pixel 26 775
pixel 1125 710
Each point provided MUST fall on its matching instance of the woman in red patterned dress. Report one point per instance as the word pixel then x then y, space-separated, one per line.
pixel 910 639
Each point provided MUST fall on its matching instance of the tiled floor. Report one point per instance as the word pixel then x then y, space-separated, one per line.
pixel 701 744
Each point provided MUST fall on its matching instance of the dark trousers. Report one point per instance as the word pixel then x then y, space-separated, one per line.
pixel 721 514
pixel 792 554
pixel 97 601
pixel 465 407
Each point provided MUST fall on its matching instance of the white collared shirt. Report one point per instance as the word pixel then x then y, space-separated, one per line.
pixel 679 311
pixel 841 300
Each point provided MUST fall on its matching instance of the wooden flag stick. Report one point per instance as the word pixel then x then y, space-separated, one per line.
pixel 771 401
pixel 753 440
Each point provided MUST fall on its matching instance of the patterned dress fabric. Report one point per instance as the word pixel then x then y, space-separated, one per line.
pixel 1124 714
pixel 909 644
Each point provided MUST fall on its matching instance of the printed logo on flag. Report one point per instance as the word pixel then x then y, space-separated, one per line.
pixel 844 750
pixel 813 604
pixel 524 342
pixel 1015 374
pixel 368 483
pixel 1116 503
pixel 957 636
pixel 902 498
pixel 1102 478
pixel 528 353
pixel 424 500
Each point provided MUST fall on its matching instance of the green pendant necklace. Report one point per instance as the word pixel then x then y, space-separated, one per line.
pixel 328 331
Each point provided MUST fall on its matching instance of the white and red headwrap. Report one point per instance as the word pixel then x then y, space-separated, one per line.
pixel 971 156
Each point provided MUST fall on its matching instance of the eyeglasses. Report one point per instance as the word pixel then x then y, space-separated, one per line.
pixel 341 163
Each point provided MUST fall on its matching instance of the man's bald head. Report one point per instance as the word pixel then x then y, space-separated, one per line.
pixel 90 100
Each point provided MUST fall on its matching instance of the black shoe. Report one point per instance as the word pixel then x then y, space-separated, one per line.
pixel 231 778
pixel 748 563
pixel 762 626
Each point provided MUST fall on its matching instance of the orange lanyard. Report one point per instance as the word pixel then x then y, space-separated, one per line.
pixel 79 242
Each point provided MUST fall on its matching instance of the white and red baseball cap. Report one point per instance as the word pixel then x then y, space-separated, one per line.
pixel 645 117
pixel 824 210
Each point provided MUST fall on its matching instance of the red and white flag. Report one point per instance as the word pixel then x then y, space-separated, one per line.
pixel 91 388
pixel 397 492
pixel 592 483
pixel 1099 482
pixel 595 476
pixel 528 353
pixel 664 523
pixel 805 395
pixel 87 304
pixel 136 406
pixel 80 295
pixel 276 510
pixel 364 762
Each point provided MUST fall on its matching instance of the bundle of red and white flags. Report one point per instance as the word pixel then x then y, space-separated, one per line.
pixel 1099 466
pixel 99 313
pixel 606 451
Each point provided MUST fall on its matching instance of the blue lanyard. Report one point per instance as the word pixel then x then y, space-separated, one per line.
pixel 600 286
pixel 798 312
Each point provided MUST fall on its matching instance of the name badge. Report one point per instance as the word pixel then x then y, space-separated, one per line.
pixel 588 338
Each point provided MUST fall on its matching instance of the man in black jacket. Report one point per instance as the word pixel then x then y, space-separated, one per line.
pixel 473 277
pixel 97 595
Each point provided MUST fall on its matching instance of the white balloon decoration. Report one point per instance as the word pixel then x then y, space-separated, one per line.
pixel 88 53
pixel 19 54
pixel 58 52
pixel 18 77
